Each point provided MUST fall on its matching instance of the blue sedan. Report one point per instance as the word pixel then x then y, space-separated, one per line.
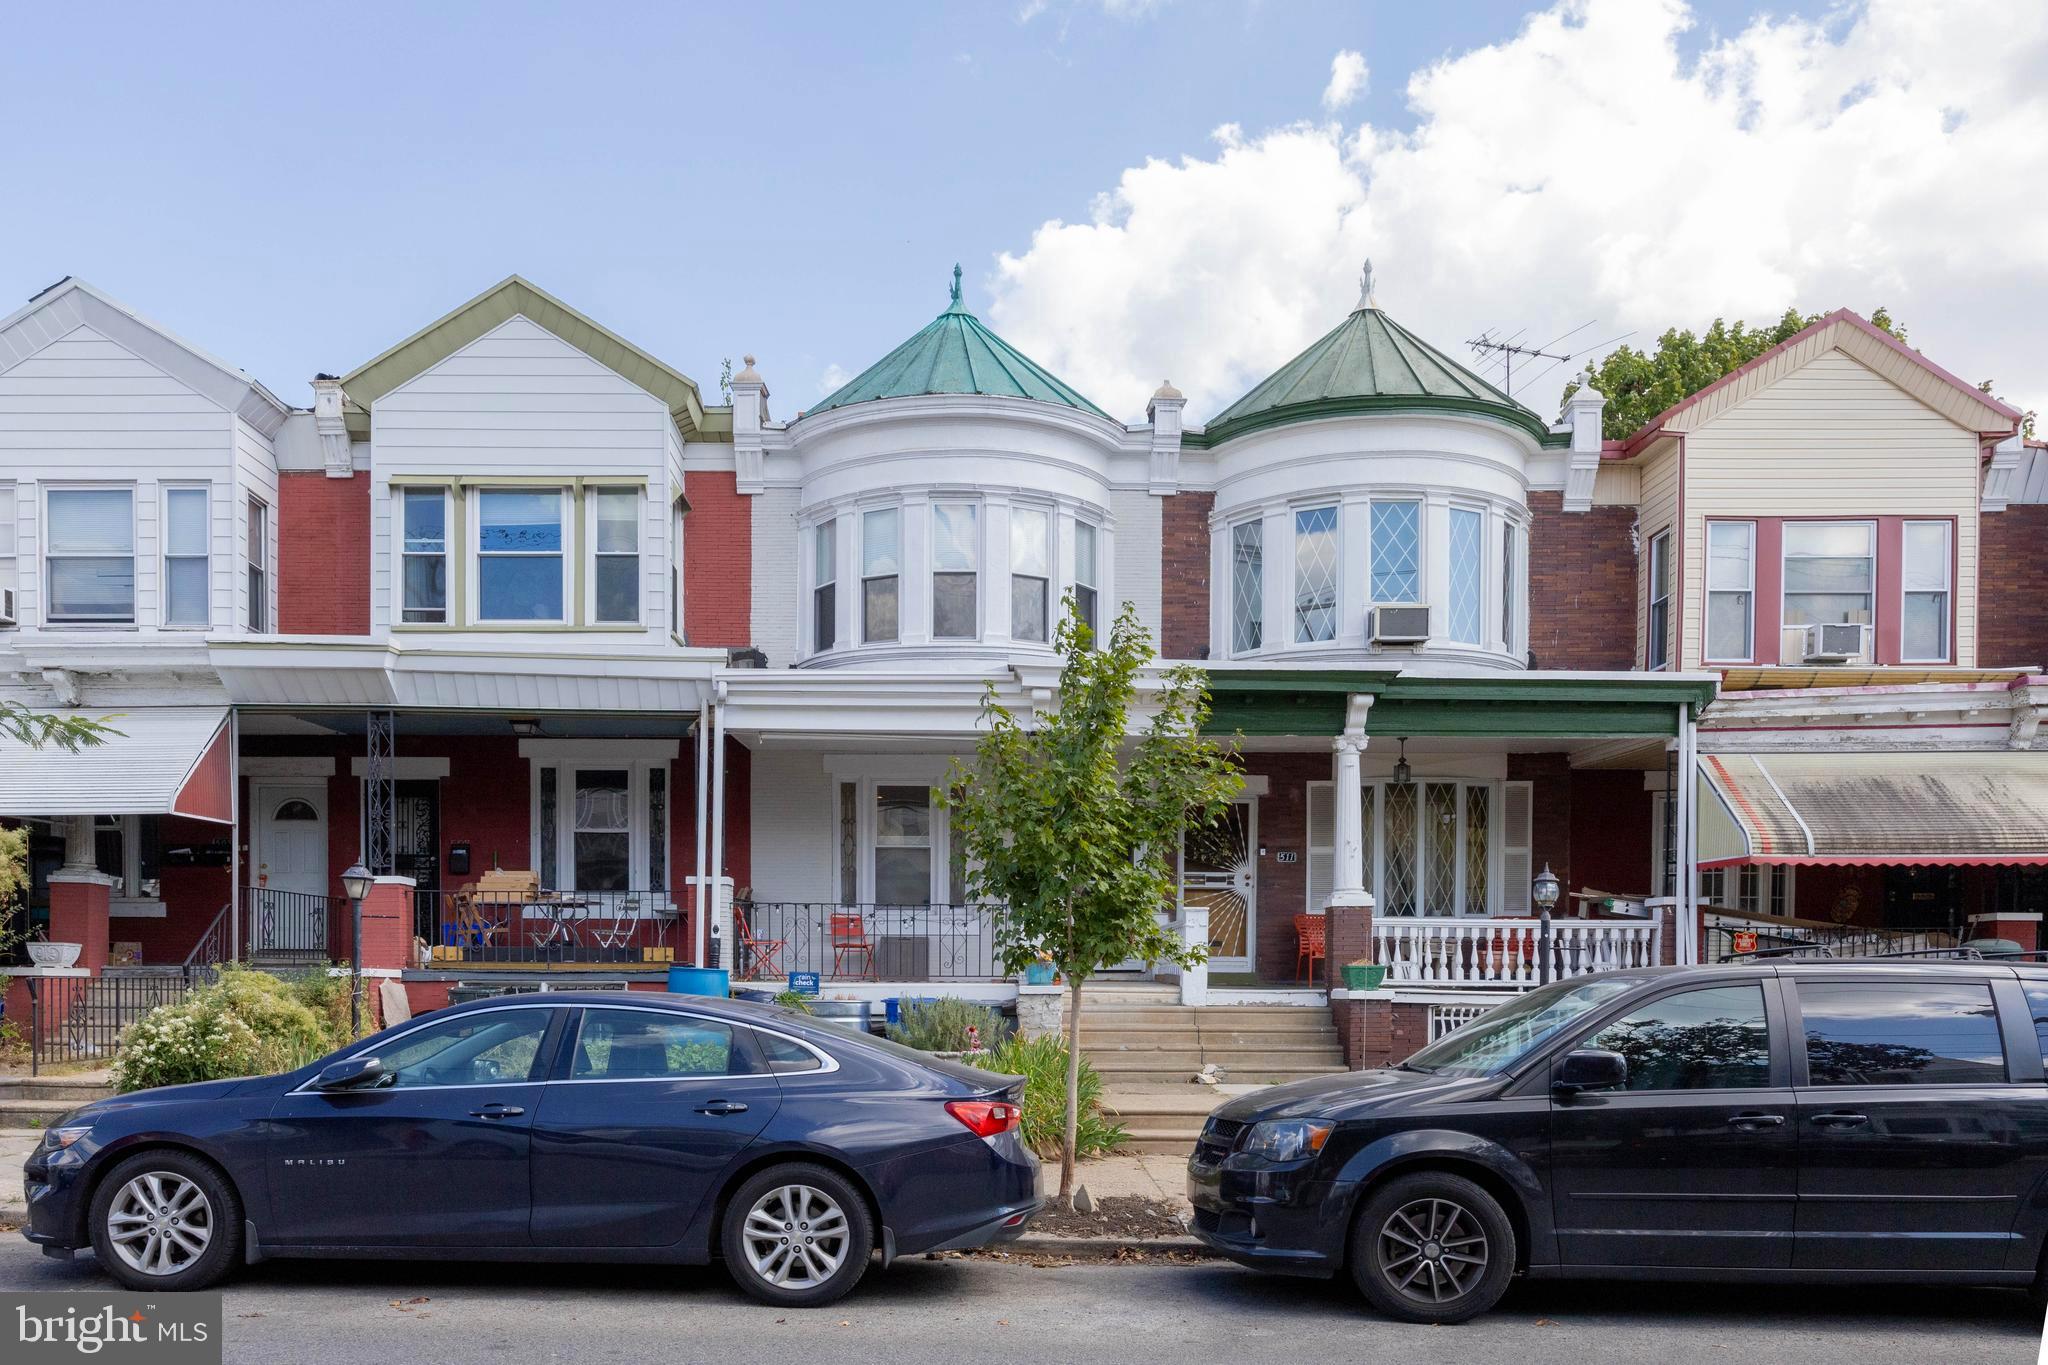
pixel 569 1126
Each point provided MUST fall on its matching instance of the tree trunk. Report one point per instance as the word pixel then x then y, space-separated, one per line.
pixel 1066 1196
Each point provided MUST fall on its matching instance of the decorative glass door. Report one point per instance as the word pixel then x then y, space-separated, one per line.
pixel 1217 870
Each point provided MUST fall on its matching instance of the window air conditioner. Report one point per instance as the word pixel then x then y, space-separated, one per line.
pixel 1834 642
pixel 1397 625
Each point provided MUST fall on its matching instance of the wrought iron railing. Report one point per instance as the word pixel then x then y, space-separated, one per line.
pixel 215 945
pixel 623 927
pixel 1733 939
pixel 864 942
pixel 291 925
pixel 81 1018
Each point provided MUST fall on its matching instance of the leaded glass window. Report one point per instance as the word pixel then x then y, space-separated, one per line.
pixel 1397 552
pixel 1468 571
pixel 1247 586
pixel 1315 575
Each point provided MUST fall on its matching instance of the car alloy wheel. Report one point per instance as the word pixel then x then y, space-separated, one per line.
pixel 796 1237
pixel 1433 1251
pixel 160 1223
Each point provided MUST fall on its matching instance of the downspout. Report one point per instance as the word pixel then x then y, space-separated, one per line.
pixel 701 741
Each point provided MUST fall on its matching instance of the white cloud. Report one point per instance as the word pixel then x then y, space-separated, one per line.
pixel 833 377
pixel 1888 155
pixel 1347 80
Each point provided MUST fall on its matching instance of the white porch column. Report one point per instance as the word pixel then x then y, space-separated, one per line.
pixel 81 850
pixel 717 807
pixel 1688 917
pixel 700 899
pixel 1347 883
pixel 1194 929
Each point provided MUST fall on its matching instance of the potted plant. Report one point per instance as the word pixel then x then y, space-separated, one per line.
pixel 1363 975
pixel 1039 972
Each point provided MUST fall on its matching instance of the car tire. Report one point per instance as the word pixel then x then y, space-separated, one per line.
pixel 1432 1247
pixel 812 1203
pixel 166 1220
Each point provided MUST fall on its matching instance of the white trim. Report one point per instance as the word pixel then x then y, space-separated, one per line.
pixel 1948 589
pixel 1707 589
pixel 405 769
pixel 473 530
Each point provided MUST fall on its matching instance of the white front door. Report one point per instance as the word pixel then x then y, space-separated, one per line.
pixel 1219 869
pixel 288 911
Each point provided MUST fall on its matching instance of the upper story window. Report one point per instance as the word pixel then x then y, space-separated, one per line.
pixel 1247 586
pixel 1657 649
pixel 1510 579
pixel 89 556
pixel 1830 573
pixel 259 567
pixel 423 556
pixel 1928 551
pixel 825 584
pixel 956 555
pixel 188 532
pixel 1085 580
pixel 1315 575
pixel 1731 589
pixel 615 580
pixel 1468 572
pixel 1397 552
pixel 1030 573
pixel 881 569
pixel 7 583
pixel 521 568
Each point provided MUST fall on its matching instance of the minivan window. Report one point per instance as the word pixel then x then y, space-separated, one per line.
pixel 1712 1039
pixel 1901 1033
pixel 2037 1007
pixel 1496 1039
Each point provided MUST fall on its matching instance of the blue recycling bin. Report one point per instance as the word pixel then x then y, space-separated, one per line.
pixel 713 981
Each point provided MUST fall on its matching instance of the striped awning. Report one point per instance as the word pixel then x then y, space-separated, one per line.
pixel 164 760
pixel 1900 808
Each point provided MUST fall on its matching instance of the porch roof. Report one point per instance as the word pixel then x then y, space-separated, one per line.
pixel 1414 704
pixel 164 760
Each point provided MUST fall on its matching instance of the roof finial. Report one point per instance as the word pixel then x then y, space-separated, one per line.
pixel 1365 298
pixel 956 284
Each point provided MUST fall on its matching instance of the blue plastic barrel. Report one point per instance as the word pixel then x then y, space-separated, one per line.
pixel 714 981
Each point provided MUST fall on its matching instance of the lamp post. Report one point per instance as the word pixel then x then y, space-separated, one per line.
pixel 356 883
pixel 1545 889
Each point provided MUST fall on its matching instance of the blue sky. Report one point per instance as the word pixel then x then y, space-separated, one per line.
pixel 296 188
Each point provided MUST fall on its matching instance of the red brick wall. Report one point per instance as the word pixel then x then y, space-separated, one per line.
pixel 2012 588
pixel 1582 585
pixel 1379 1033
pixel 1610 832
pixel 323 554
pixel 1184 576
pixel 718 560
pixel 1551 815
pixel 1283 828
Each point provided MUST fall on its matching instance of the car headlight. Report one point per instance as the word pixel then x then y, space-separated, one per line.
pixel 57 1139
pixel 1287 1139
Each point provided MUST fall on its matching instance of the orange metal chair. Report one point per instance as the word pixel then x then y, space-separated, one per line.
pixel 850 940
pixel 761 955
pixel 1308 938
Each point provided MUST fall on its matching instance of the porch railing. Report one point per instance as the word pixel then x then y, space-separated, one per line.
pixel 215 946
pixel 1731 937
pixel 81 1018
pixel 291 925
pixel 864 942
pixel 633 927
pixel 1501 954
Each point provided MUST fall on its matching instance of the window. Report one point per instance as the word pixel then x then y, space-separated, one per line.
pixel 825 592
pixel 1830 573
pixel 880 564
pixel 1731 589
pixel 1434 843
pixel 2037 1006
pixel 1658 646
pixel 1509 569
pixel 1759 890
pixel 6 537
pixel 488 1048
pixel 1247 586
pixel 903 845
pixel 1901 1033
pixel 90 557
pixel 519 555
pixel 615 576
pixel 1468 571
pixel 657 828
pixel 603 836
pixel 643 1045
pixel 1714 1039
pixel 1085 581
pixel 1315 575
pixel 259 567
pixel 785 1055
pixel 1926 582
pixel 956 555
pixel 187 534
pixel 423 556
pixel 1030 573
pixel 1397 552
pixel 675 572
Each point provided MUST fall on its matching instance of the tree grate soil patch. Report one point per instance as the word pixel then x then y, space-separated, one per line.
pixel 1119 1215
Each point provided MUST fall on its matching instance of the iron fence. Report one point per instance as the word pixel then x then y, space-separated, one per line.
pixel 81 1018
pixel 864 942
pixel 468 926
pixel 1738 941
pixel 290 925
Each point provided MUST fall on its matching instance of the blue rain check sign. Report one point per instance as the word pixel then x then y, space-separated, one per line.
pixel 804 983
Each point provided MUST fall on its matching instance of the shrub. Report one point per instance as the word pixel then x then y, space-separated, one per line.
pixel 246 1023
pixel 942 1025
pixel 1042 1062
pixel 794 1000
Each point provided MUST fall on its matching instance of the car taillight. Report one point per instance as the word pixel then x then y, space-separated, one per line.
pixel 986 1118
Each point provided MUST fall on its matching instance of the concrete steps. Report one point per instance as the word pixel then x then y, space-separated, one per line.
pixel 38 1101
pixel 1166 1122
pixel 1146 1050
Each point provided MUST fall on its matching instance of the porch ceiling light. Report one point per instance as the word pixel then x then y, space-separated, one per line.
pixel 1402 773
pixel 526 729
pixel 356 881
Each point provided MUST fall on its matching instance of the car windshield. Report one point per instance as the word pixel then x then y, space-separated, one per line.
pixel 1504 1035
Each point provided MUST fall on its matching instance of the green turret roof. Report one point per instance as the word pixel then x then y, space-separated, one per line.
pixel 1368 362
pixel 956 353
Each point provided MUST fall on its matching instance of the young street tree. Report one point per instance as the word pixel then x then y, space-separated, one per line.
pixel 1070 825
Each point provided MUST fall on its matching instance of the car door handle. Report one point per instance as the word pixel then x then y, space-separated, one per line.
pixel 722 1108
pixel 1750 1123
pixel 497 1111
pixel 1837 1119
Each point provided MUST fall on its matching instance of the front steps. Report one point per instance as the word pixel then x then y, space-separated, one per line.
pixel 39 1101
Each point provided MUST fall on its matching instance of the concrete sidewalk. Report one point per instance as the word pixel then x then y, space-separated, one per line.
pixel 1150 1176
pixel 15 1145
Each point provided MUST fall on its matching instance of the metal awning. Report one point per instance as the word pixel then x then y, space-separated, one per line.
pixel 1950 809
pixel 165 760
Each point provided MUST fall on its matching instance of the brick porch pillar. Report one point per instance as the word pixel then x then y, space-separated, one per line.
pixel 2021 926
pixel 387 924
pixel 1347 915
pixel 81 897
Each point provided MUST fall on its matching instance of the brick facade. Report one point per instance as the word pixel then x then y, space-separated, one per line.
pixel 1550 832
pixel 1582 585
pixel 2012 587
pixel 1184 575
pixel 1382 1032
pixel 718 559
pixel 323 554
pixel 1282 828
pixel 1610 835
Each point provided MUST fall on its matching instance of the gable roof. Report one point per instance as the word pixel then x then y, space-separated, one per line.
pixel 1961 402
pixel 512 297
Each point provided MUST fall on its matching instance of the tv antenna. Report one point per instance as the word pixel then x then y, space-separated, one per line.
pixel 1506 351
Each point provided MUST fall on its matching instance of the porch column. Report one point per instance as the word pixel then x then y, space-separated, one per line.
pixel 380 793
pixel 1687 834
pixel 81 896
pixel 1347 924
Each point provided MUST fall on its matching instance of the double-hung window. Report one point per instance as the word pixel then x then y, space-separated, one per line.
pixel 259 567
pixel 1085 581
pixel 1315 575
pixel 1658 646
pixel 615 574
pixel 423 556
pixel 519 559
pixel 881 567
pixel 1247 586
pixel 1397 552
pixel 187 531
pixel 1830 573
pixel 1468 574
pixel 1925 577
pixel 825 585
pixel 90 556
pixel 1509 570
pixel 956 556
pixel 1030 573
pixel 1731 590
pixel 7 583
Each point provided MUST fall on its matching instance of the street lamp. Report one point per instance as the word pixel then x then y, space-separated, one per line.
pixel 1545 891
pixel 356 884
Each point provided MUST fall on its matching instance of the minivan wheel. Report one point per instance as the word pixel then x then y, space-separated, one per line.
pixel 1432 1247
pixel 797 1236
pixel 166 1221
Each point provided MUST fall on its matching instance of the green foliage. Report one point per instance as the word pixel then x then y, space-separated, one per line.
pixel 1042 1062
pixel 13 887
pixel 246 1023
pixel 942 1025
pixel 794 1000
pixel 39 728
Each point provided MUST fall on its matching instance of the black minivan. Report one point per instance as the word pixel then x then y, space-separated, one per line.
pixel 1814 1119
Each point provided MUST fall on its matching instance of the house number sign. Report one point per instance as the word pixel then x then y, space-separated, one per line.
pixel 1286 855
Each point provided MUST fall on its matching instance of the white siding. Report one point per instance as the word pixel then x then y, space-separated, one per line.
pixel 1658 512
pixel 255 477
pixel 777 583
pixel 1134 559
pixel 793 823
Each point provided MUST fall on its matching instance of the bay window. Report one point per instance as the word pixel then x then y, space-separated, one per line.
pixel 1509 576
pixel 1247 586
pixel 188 533
pixel 519 553
pixel 423 555
pixel 1030 574
pixel 615 550
pixel 1925 579
pixel 1731 590
pixel 89 557
pixel 956 556
pixel 259 567
pixel 824 585
pixel 880 571
pixel 1657 649
pixel 1468 572
pixel 1396 552
pixel 1084 574
pixel 1315 575
pixel 1830 577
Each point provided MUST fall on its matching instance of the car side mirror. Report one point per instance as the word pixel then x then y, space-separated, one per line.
pixel 354 1073
pixel 1591 1068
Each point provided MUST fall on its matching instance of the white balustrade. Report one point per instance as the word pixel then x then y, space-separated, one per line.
pixel 1502 953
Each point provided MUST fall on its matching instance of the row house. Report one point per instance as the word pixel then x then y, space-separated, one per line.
pixel 597 676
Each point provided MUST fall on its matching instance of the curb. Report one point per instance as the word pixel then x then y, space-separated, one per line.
pixel 14 1213
pixel 1101 1248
